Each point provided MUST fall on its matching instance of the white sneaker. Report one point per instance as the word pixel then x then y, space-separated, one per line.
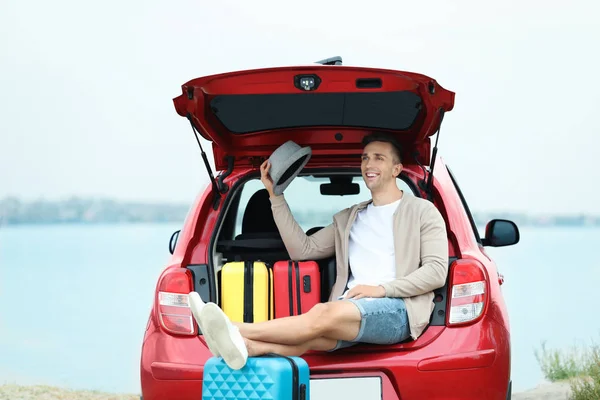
pixel 196 305
pixel 224 335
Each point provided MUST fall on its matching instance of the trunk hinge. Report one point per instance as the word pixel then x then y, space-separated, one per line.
pixel 427 185
pixel 223 188
pixel 218 188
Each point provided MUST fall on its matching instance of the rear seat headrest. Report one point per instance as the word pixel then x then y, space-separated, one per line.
pixel 258 217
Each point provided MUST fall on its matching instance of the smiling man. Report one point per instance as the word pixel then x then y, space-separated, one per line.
pixel 395 248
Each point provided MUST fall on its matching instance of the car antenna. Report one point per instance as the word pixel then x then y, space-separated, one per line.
pixel 215 187
pixel 429 185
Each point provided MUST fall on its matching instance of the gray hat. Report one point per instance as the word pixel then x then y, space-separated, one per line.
pixel 286 163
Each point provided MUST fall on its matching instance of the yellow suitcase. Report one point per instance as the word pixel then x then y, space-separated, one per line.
pixel 247 291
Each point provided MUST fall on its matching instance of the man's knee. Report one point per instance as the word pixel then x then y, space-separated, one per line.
pixel 317 311
pixel 326 317
pixel 320 315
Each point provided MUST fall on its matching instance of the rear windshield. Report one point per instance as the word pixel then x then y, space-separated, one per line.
pixel 310 208
pixel 259 112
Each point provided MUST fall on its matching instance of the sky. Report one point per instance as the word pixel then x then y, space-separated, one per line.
pixel 86 89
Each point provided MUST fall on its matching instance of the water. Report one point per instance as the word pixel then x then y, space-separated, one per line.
pixel 74 300
pixel 550 280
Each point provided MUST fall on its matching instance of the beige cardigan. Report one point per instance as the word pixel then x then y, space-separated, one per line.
pixel 420 243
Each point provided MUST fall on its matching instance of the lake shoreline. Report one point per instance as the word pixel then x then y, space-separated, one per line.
pixel 44 392
pixel 544 391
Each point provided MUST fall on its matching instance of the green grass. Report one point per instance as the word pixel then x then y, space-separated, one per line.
pixel 559 365
pixel 589 387
pixel 579 365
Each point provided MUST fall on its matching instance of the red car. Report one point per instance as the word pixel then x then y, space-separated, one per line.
pixel 465 351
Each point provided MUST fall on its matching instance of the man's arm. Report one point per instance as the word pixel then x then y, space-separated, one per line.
pixel 434 260
pixel 319 245
pixel 299 246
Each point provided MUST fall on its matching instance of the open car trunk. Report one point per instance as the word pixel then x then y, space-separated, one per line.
pixel 258 239
pixel 248 114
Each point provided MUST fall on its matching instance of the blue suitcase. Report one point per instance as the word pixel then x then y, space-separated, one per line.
pixel 266 377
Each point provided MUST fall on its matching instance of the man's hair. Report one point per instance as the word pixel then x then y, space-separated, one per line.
pixel 387 138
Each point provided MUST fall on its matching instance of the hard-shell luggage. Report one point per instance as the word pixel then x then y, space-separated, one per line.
pixel 247 291
pixel 297 287
pixel 265 377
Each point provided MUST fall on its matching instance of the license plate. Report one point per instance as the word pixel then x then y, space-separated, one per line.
pixel 346 388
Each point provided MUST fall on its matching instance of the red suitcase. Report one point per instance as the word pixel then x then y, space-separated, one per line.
pixel 297 287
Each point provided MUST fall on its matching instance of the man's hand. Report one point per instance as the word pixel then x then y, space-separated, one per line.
pixel 265 178
pixel 360 291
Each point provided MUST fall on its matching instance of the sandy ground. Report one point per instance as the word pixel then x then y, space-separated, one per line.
pixel 546 391
pixel 17 392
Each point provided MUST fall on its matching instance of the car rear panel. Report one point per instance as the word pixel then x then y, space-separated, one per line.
pixel 463 363
pixel 467 362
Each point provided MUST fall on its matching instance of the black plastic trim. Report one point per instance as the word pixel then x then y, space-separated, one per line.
pixel 438 317
pixel 223 188
pixel 368 83
pixel 203 284
pixel 465 205
pixel 173 241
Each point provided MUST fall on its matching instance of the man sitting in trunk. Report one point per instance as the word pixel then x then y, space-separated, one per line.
pixel 395 248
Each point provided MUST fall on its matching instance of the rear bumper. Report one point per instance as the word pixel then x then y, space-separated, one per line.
pixel 171 367
pixel 462 363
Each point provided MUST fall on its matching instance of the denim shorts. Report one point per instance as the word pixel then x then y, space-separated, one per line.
pixel 383 321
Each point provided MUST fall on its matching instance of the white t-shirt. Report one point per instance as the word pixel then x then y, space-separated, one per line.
pixel 371 246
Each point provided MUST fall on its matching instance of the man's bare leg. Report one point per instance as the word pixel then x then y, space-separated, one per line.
pixel 257 348
pixel 339 320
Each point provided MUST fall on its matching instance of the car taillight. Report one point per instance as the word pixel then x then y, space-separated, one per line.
pixel 469 292
pixel 173 304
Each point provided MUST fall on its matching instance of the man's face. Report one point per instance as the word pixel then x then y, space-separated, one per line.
pixel 379 166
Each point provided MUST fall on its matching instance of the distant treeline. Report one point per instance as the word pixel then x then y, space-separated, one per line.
pixel 82 210
pixel 79 210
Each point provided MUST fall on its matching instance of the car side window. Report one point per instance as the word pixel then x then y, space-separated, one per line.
pixel 309 207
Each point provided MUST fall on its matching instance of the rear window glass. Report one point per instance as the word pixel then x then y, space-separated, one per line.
pixel 309 207
pixel 259 112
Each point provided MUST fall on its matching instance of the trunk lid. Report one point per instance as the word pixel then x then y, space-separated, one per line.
pixel 248 114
